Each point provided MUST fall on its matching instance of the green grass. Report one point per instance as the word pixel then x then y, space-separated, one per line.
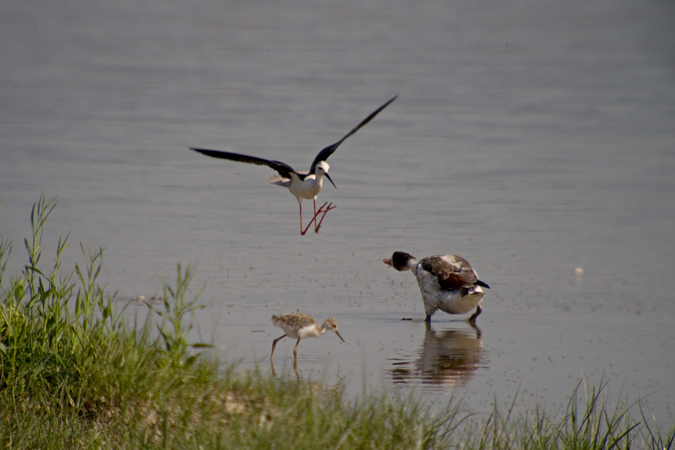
pixel 76 372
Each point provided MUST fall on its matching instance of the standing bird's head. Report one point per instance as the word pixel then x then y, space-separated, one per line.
pixel 399 261
pixel 331 324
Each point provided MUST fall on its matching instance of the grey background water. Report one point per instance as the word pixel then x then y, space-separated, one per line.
pixel 531 138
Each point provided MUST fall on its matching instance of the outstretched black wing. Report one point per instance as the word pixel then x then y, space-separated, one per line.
pixel 326 152
pixel 282 168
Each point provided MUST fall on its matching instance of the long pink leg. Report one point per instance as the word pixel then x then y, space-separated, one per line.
pixel 317 223
pixel 315 213
pixel 302 232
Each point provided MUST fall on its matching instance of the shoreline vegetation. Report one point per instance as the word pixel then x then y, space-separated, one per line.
pixel 75 372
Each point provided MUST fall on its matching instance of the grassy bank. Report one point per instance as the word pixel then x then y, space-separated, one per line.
pixel 76 372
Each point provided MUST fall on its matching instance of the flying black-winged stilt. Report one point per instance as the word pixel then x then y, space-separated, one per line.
pixel 303 185
pixel 447 282
pixel 298 326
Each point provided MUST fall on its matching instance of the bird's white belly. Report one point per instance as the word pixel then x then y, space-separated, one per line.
pixel 308 331
pixel 451 302
pixel 295 333
pixel 307 189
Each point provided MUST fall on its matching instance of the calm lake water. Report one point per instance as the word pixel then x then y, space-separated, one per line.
pixel 534 139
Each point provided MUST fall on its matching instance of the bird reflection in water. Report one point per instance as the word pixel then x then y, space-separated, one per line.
pixel 448 357
pixel 308 378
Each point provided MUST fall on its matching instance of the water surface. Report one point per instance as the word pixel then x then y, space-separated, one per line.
pixel 531 139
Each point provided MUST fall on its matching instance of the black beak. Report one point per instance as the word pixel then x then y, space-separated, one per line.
pixel 331 180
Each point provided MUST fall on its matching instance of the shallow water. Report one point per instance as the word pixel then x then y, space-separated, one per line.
pixel 533 140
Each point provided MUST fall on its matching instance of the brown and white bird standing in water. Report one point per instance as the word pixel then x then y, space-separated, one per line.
pixel 298 326
pixel 447 282
pixel 303 185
